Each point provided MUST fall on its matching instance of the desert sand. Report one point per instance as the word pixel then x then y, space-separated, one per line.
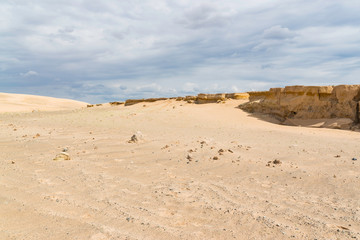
pixel 209 171
pixel 28 103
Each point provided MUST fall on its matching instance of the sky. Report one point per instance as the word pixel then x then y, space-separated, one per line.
pixel 112 50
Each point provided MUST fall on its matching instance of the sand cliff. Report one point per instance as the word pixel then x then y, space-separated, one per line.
pixel 295 103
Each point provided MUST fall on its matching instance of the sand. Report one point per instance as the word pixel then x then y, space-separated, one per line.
pixel 206 171
pixel 10 102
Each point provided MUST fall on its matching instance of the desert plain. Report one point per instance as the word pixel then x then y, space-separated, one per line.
pixel 192 171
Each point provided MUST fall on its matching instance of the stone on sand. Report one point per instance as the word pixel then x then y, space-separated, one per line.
pixel 62 156
pixel 136 137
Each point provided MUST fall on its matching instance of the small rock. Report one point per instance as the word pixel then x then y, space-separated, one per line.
pixel 354 159
pixel 276 161
pixel 136 137
pixel 215 158
pixel 189 157
pixel 344 228
pixel 337 156
pixel 229 150
pixel 36 136
pixel 62 156
pixel 12 162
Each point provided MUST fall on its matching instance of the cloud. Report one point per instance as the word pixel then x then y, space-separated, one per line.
pixel 205 16
pixel 190 88
pixel 278 32
pixel 29 74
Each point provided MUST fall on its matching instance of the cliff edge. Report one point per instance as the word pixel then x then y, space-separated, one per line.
pixel 292 104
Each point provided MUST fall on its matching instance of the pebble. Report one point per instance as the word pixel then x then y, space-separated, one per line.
pixel 62 156
pixel 136 137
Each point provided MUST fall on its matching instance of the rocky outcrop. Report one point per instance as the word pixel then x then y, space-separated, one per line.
pixel 116 103
pixel 237 96
pixel 213 98
pixel 307 102
pixel 130 102
pixel 210 98
pixel 199 99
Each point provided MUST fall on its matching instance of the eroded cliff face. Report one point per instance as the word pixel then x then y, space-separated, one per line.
pixel 307 102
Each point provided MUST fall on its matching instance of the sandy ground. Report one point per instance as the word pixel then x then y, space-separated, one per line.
pixel 10 102
pixel 197 172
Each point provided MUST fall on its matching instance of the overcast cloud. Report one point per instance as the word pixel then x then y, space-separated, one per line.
pixel 100 51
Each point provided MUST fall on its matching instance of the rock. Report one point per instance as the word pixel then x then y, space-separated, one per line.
pixel 130 102
pixel 166 146
pixel 136 137
pixel 243 96
pixel 36 136
pixel 309 102
pixel 216 158
pixel 90 105
pixel 210 98
pixel 116 103
pixel 276 161
pixel 62 156
pixel 191 98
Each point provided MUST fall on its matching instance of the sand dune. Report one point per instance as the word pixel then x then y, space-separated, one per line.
pixel 206 171
pixel 10 102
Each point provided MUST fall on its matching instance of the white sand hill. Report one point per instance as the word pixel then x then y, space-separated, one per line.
pixel 193 171
pixel 26 103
